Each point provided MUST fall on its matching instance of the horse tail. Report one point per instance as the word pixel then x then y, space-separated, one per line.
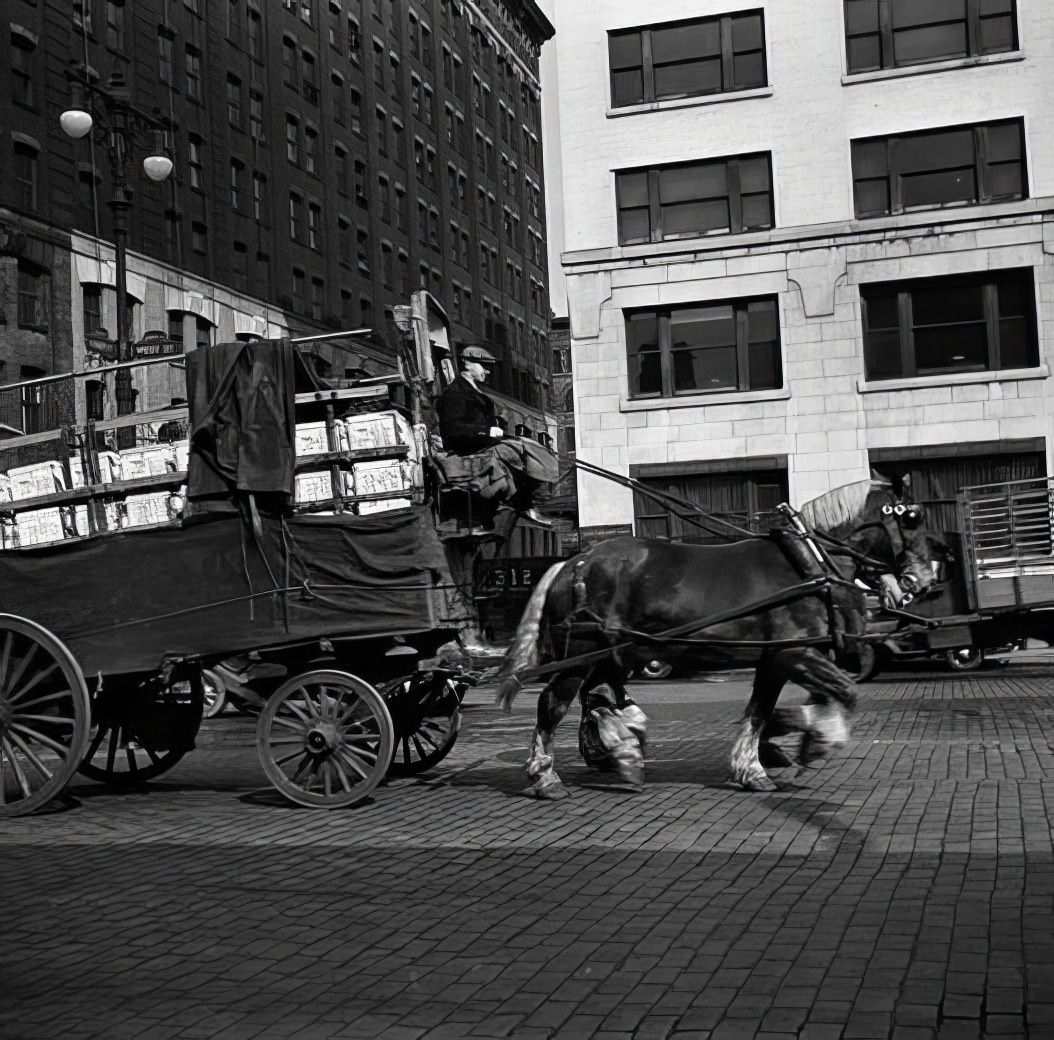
pixel 523 653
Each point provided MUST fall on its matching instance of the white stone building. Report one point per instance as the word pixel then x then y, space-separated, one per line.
pixel 803 242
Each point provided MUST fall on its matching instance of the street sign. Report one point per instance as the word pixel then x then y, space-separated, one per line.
pixel 156 343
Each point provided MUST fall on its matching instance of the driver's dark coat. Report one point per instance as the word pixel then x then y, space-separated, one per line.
pixel 466 415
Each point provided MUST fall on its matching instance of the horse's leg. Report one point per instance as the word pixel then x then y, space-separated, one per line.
pixel 824 718
pixel 635 719
pixel 746 767
pixel 553 703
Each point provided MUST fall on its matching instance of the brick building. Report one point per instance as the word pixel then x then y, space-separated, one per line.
pixel 331 157
pixel 798 250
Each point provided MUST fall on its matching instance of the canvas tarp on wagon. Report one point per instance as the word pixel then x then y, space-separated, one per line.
pixel 125 602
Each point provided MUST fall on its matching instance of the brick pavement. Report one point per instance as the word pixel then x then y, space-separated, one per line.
pixel 905 891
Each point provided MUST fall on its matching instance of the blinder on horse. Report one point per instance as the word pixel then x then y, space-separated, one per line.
pixel 900 520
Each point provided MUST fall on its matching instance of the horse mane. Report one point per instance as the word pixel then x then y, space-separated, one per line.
pixel 839 508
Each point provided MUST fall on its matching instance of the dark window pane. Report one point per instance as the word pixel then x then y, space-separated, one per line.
pixel 710 180
pixel 761 321
pixel 748 70
pixel 865 53
pixel 627 87
pixel 690 77
pixel 764 366
pixel 686 218
pixel 703 326
pixel 997 34
pixel 757 212
pixel 1004 141
pixel 1005 182
pixel 936 150
pixel 923 12
pixel 648 373
pixel 872 197
pixel 642 332
pixel 634 225
pixel 946 304
pixel 681 183
pixel 1015 344
pixel 861 16
pixel 929 43
pixel 686 42
pixel 1012 299
pixel 963 348
pixel 996 7
pixel 746 32
pixel 882 355
pixel 754 174
pixel 625 50
pixel 932 189
pixel 642 343
pixel 633 189
pixel 870 158
pixel 881 311
pixel 713 368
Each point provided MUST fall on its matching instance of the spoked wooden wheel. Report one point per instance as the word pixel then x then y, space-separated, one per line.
pixel 325 739
pixel 427 717
pixel 141 730
pixel 43 716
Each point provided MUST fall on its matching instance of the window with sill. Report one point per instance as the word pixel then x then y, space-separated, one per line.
pixel 23 90
pixel 937 326
pixel 891 34
pixel 192 69
pixel 946 166
pixel 687 58
pixel 704 348
pixel 684 200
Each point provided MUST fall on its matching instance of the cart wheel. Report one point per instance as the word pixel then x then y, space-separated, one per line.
pixel 656 669
pixel 215 694
pixel 144 730
pixel 44 714
pixel 325 739
pixel 965 659
pixel 426 723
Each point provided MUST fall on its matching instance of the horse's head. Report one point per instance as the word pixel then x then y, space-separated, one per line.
pixel 887 535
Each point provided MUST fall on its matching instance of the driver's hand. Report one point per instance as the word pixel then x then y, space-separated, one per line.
pixel 496 431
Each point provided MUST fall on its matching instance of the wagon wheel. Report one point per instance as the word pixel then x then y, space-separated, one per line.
pixel 44 715
pixel 325 739
pixel 426 721
pixel 215 694
pixel 141 731
pixel 965 659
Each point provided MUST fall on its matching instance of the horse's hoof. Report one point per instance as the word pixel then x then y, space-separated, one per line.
pixel 547 792
pixel 755 782
pixel 772 756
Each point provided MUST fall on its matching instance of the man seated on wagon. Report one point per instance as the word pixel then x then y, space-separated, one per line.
pixel 468 426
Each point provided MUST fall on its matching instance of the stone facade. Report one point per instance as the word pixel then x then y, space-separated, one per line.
pixel 827 421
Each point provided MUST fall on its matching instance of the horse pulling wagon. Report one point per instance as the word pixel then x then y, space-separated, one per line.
pixel 298 536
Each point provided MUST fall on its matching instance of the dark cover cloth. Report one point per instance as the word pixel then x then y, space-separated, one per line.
pixel 466 415
pixel 124 602
pixel 242 422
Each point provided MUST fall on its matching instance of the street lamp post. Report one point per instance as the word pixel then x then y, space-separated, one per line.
pixel 126 125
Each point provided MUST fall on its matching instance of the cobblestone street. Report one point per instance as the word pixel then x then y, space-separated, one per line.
pixel 903 891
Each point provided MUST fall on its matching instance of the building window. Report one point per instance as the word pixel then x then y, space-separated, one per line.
pixel 256 121
pixel 314 225
pixel 888 34
pixel 26 167
pixel 165 59
pixel 240 265
pixel 175 329
pixel 195 162
pixel 32 297
pixel 362 245
pixel 199 238
pixel 91 296
pixel 310 87
pixel 950 166
pixel 387 266
pixel 115 25
pixel 973 323
pixel 237 171
pixel 292 139
pixel 33 420
pixel 296 216
pixel 354 42
pixel 234 101
pixel 344 242
pixel 193 72
pixel 688 58
pixel 259 195
pixel 202 332
pixel 298 289
pixel 360 183
pixel 690 199
pixel 310 150
pixel 704 348
pixel 317 298
pixel 356 111
pixel 254 34
pixel 289 69
pixel 22 88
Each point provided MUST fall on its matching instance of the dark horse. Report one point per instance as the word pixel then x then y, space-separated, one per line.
pixel 619 592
